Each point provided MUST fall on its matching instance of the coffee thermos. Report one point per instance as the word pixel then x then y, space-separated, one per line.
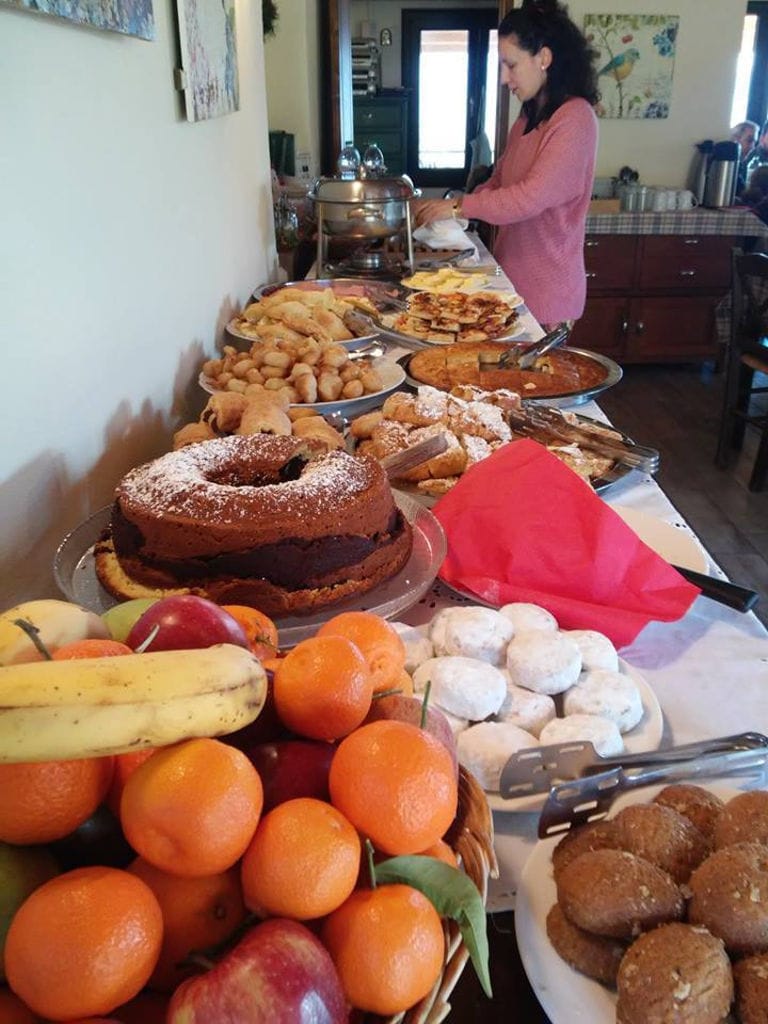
pixel 721 175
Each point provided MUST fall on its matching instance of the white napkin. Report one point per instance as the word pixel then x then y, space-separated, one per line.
pixel 445 234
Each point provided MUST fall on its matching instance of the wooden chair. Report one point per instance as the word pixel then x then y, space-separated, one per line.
pixel 747 355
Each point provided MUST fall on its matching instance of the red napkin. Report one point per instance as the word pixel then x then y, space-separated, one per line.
pixel 522 526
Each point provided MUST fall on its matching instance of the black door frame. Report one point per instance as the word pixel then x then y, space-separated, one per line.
pixel 757 103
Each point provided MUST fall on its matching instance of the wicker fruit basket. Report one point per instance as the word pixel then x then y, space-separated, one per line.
pixel 471 836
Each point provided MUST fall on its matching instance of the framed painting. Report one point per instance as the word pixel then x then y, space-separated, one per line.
pixel 208 57
pixel 635 63
pixel 133 17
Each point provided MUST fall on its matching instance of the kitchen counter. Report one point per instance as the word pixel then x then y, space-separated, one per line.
pixel 732 220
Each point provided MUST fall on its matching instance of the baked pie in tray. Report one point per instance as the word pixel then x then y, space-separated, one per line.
pixel 456 317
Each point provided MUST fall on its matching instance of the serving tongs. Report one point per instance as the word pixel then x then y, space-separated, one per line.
pixel 588 799
pixel 517 358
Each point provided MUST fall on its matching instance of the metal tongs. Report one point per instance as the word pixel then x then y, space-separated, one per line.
pixel 574 803
pixel 517 359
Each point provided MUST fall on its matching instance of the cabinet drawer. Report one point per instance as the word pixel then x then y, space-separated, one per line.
pixel 685 261
pixel 671 329
pixel 609 261
pixel 373 116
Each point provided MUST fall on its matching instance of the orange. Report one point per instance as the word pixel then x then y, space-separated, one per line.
pixel 48 800
pixel 13 1011
pixel 125 765
pixel 388 947
pixel 192 808
pixel 197 913
pixel 441 851
pixel 378 641
pixel 90 649
pixel 303 861
pixel 397 785
pixel 404 683
pixel 84 943
pixel 260 630
pixel 323 688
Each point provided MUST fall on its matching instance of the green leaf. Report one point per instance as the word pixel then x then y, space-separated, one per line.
pixel 453 895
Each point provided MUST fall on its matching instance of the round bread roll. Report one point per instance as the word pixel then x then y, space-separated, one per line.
pixel 526 709
pixel 597 651
pixel 729 896
pixel 615 893
pixel 485 748
pixel 596 835
pixel 676 973
pixel 418 646
pixel 695 803
pixel 662 836
pixel 465 687
pixel 526 617
pixel 481 633
pixel 602 734
pixel 750 976
pixel 744 817
pixel 608 694
pixel 594 955
pixel 546 662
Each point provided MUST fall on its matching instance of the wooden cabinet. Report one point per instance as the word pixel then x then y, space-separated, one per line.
pixel 383 120
pixel 652 298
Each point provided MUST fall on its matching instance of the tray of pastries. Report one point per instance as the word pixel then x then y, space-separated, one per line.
pixel 445 319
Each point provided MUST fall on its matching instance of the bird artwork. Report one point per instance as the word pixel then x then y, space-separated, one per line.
pixel 621 66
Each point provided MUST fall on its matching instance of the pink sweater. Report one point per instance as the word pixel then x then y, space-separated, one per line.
pixel 538 195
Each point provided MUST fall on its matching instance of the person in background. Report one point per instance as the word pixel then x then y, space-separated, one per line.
pixel 745 133
pixel 759 153
pixel 756 193
pixel 539 192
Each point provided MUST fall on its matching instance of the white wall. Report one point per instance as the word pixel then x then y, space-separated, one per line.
pixel 128 237
pixel 292 64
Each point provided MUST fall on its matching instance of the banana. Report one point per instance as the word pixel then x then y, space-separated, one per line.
pixel 59 710
pixel 58 622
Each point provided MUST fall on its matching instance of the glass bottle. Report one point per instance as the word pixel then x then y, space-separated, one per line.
pixel 373 161
pixel 348 163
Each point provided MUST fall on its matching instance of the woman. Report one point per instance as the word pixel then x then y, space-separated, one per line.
pixel 539 192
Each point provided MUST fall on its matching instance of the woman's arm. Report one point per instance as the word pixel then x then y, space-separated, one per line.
pixel 556 176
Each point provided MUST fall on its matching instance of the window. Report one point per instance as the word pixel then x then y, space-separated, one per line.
pixel 750 98
pixel 450 66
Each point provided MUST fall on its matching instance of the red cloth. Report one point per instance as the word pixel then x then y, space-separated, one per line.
pixel 522 526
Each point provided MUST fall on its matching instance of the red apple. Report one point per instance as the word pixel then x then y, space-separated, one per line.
pixel 292 768
pixel 185 622
pixel 278 973
pixel 408 709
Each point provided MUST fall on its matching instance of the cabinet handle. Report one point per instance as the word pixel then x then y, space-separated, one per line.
pixel 687 273
pixel 590 274
pixel 639 327
pixel 690 241
pixel 591 243
pixel 624 326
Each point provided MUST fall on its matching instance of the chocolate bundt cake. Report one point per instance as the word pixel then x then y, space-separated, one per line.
pixel 278 523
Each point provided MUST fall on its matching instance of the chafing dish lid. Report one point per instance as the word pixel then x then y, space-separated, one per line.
pixel 359 190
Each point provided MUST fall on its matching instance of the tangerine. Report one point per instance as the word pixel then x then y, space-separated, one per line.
pixel 303 861
pixel 260 630
pixel 192 808
pixel 13 1010
pixel 323 688
pixel 197 913
pixel 441 851
pixel 379 642
pixel 388 947
pixel 48 800
pixel 83 943
pixel 125 765
pixel 396 783
pixel 90 648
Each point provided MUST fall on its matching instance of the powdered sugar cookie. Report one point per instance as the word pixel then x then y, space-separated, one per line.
pixel 602 733
pixel 545 662
pixel 525 617
pixel 597 651
pixel 418 646
pixel 526 709
pixel 607 694
pixel 480 633
pixel 484 749
pixel 465 687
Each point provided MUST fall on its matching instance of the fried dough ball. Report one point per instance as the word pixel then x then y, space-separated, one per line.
pixel 744 818
pixel 695 803
pixel 597 835
pixel 675 974
pixel 751 979
pixel 594 955
pixel 730 897
pixel 615 893
pixel 662 836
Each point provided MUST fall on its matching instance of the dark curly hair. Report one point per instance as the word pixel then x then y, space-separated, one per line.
pixel 572 73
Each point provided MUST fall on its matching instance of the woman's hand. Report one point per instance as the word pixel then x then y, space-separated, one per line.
pixel 427 211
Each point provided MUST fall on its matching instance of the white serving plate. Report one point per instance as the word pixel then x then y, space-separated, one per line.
pixel 392 374
pixel 566 996
pixel 646 735
pixel 673 543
